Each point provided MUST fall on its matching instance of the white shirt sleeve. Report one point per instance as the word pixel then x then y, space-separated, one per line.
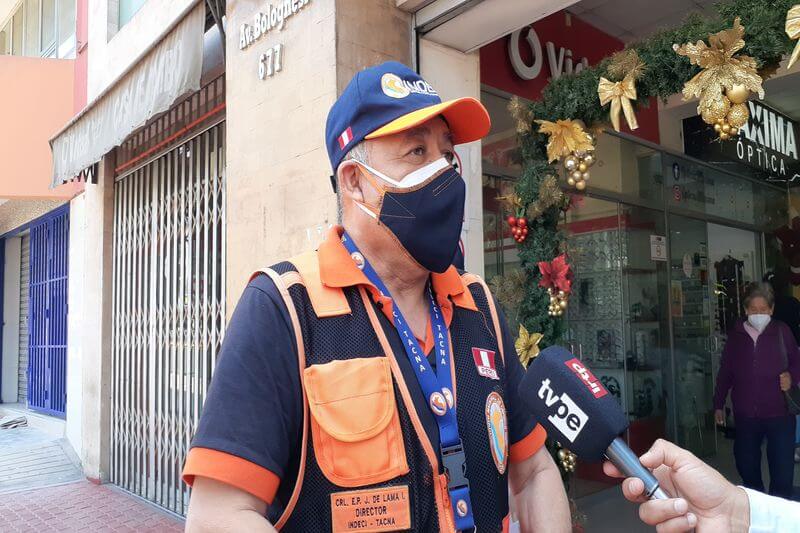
pixel 772 514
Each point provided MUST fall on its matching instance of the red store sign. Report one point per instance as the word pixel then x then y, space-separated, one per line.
pixel 525 61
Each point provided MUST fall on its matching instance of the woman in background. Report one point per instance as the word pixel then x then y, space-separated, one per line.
pixel 760 361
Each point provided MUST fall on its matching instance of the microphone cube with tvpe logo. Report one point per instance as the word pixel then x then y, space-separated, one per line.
pixel 572 404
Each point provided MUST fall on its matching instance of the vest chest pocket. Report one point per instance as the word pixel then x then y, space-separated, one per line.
pixel 355 425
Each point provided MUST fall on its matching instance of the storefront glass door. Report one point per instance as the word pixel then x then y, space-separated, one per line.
pixel 617 318
pixel 691 328
pixel 710 268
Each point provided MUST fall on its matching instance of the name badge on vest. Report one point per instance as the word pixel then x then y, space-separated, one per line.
pixel 381 509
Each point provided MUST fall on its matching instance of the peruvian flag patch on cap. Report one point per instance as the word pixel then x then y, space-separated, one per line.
pixel 484 361
pixel 345 138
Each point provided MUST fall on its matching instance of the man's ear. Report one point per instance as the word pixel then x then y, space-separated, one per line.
pixel 349 174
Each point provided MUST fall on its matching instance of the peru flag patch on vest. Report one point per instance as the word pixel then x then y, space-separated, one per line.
pixel 484 361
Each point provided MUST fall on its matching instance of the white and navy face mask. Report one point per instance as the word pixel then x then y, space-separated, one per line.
pixel 424 211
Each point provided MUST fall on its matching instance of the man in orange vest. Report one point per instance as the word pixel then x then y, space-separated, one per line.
pixel 370 386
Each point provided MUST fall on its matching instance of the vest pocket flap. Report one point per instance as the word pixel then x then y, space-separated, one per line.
pixel 351 400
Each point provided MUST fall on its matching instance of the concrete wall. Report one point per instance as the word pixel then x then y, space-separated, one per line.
pixel 76 319
pixel 454 75
pixel 15 213
pixel 114 49
pixel 280 202
pixel 10 353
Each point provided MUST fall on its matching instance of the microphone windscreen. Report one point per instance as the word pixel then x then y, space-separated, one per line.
pixel 571 403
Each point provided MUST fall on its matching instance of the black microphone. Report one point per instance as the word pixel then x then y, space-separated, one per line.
pixel 577 411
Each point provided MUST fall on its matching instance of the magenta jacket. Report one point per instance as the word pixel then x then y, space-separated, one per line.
pixel 751 369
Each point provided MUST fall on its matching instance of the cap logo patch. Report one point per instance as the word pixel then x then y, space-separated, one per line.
pixel 393 86
pixel 396 87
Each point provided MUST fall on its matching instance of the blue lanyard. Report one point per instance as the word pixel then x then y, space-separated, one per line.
pixel 438 389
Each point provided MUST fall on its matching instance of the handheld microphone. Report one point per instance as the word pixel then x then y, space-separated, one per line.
pixel 576 410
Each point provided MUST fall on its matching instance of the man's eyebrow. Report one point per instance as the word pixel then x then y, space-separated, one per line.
pixel 417 131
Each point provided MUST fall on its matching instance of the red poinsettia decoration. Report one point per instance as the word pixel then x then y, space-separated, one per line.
pixel 556 274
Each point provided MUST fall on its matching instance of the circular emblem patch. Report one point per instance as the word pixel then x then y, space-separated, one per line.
pixel 438 404
pixel 358 259
pixel 461 507
pixel 393 87
pixel 497 426
pixel 448 396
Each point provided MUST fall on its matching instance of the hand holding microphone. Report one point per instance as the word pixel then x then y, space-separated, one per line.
pixel 705 500
pixel 576 410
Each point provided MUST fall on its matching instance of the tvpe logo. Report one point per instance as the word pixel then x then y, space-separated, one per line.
pixel 591 382
pixel 568 418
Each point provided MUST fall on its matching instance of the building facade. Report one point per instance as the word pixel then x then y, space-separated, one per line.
pixel 38 73
pixel 207 164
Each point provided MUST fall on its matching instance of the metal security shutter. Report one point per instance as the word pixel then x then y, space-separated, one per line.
pixel 47 314
pixel 168 309
pixel 24 281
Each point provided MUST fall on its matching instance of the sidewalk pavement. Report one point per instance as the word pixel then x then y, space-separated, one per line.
pixel 42 489
pixel 82 506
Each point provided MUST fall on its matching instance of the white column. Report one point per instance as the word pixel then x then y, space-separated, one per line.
pixel 455 74
pixel 76 321
pixel 91 322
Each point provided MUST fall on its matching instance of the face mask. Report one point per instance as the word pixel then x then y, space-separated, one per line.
pixel 424 212
pixel 759 321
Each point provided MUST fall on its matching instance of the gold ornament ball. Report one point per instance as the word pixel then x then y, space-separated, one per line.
pixel 562 304
pixel 582 166
pixel 571 181
pixel 561 294
pixel 570 162
pixel 738 115
pixel 580 185
pixel 726 128
pixel 717 128
pixel 589 159
pixel 724 136
pixel 576 175
pixel 721 121
pixel 562 454
pixel 716 109
pixel 585 176
pixel 734 132
pixel 737 94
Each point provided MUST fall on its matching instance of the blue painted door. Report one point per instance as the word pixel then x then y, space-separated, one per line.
pixel 47 315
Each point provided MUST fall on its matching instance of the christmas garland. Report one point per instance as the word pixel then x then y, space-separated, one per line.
pixel 748 39
pixel 657 71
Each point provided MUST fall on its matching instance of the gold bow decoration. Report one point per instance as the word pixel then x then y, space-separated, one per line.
pixel 620 94
pixel 566 137
pixel 527 345
pixel 793 31
pixel 721 71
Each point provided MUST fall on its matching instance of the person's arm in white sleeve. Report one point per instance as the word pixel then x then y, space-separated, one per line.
pixel 770 513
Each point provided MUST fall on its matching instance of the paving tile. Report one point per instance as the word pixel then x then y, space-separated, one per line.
pixel 82 506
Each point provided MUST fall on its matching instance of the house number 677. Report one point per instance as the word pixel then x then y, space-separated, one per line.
pixel 270 62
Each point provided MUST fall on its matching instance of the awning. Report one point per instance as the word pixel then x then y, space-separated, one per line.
pixel 169 71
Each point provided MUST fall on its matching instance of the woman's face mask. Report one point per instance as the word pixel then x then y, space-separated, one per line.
pixel 424 211
pixel 759 320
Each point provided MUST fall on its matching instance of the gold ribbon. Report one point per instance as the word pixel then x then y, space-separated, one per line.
pixel 620 94
pixel 793 31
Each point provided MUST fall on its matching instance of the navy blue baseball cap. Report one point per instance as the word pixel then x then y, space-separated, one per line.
pixel 390 98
